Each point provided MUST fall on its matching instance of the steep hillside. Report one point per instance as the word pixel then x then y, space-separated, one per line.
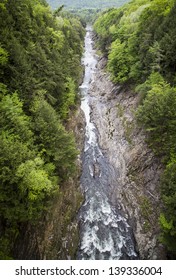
pixel 39 73
pixel 139 41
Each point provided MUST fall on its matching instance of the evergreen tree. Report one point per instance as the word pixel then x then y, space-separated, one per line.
pixel 40 70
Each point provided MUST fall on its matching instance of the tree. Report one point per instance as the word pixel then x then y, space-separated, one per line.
pixel 119 60
pixel 58 145
pixel 168 218
pixel 157 115
pixel 39 69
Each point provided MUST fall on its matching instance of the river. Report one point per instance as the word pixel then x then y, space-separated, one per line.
pixel 104 230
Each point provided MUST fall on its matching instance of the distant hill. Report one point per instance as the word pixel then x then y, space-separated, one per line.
pixel 86 4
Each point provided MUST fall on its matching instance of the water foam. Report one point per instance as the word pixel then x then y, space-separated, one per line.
pixel 104 232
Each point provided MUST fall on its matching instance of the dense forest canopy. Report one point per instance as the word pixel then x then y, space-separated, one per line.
pixel 139 40
pixel 39 74
pixel 86 10
pixel 86 4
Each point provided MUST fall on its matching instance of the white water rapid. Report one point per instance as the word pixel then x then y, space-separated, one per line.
pixel 104 231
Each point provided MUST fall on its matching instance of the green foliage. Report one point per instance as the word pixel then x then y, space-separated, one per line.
pixel 105 25
pixel 119 60
pixel 154 79
pixel 40 70
pixel 86 10
pixel 168 219
pixel 3 56
pixel 151 34
pixel 86 15
pixel 13 152
pixel 13 118
pixel 145 29
pixel 169 178
pixel 56 144
pixel 158 116
pixel 34 187
pixel 68 99
pixel 116 30
pixel 42 52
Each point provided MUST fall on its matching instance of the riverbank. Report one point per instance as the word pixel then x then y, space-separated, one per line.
pixel 137 188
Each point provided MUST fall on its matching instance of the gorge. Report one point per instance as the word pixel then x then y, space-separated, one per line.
pixel 88 153
pixel 104 231
pixel 118 175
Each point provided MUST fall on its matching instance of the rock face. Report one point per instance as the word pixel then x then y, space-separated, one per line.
pixel 137 189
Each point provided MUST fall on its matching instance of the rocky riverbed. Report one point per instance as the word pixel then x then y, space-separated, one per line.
pixel 137 188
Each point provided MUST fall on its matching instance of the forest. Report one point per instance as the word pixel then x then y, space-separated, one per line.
pixel 139 42
pixel 86 10
pixel 85 4
pixel 40 72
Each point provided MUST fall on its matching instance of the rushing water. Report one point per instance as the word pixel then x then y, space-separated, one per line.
pixel 104 232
